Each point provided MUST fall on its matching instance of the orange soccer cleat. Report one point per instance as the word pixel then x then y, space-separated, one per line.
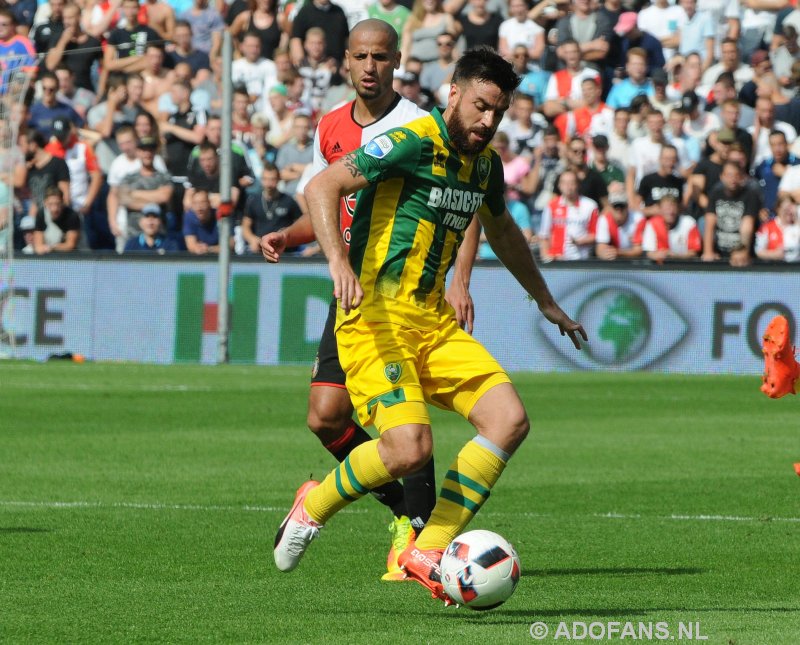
pixel 423 566
pixel 780 367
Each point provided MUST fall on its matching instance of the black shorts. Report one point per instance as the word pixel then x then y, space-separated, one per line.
pixel 327 370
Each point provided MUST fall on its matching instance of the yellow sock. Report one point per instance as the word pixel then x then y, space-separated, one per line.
pixel 466 487
pixel 361 471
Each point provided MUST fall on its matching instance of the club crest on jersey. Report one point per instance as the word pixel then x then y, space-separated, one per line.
pixel 392 372
pixel 379 147
pixel 350 203
pixel 484 168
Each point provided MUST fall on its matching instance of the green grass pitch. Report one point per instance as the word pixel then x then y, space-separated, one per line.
pixel 139 503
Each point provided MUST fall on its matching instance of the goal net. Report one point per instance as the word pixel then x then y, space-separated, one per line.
pixel 16 74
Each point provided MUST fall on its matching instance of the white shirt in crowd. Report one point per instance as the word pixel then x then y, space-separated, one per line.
pixel 258 77
pixel 519 33
pixel 761 149
pixel 625 232
pixel 644 157
pixel 678 235
pixel 662 23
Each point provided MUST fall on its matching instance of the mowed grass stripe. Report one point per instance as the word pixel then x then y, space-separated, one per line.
pixel 636 497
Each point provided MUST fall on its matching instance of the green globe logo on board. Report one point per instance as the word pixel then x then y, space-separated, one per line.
pixel 618 322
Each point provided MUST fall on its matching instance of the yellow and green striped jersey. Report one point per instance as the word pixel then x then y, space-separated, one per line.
pixel 409 222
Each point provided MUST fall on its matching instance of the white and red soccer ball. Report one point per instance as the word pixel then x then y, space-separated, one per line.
pixel 480 569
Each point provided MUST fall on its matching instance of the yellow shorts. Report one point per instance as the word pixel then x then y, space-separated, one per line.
pixel 393 371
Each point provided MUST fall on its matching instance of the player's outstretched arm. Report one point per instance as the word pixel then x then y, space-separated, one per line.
pixel 458 292
pixel 322 195
pixel 511 248
pixel 298 232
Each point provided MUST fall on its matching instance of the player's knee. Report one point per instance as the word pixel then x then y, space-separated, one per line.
pixel 520 426
pixel 406 450
pixel 329 415
pixel 516 427
pixel 415 458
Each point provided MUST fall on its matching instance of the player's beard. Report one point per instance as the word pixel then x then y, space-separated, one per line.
pixel 369 94
pixel 459 134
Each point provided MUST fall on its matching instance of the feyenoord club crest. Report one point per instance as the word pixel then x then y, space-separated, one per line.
pixel 392 372
pixel 484 167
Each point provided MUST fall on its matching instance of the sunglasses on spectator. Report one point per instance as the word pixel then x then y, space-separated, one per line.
pixel 49 88
pixel 578 151
pixel 445 43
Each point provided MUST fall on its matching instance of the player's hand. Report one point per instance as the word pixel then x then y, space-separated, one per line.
pixel 566 325
pixel 608 253
pixel 346 287
pixel 740 258
pixel 459 299
pixel 273 245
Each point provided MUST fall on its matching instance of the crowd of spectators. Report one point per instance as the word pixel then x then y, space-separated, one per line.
pixel 661 131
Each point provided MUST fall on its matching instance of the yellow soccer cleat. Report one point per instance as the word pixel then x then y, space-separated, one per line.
pixel 402 535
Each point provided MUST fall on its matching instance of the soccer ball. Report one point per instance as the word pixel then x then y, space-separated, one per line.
pixel 480 569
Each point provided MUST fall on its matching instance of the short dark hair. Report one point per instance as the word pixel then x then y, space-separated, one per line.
pixel 182 23
pixel 115 80
pixel 485 64
pixel 669 146
pixel 726 79
pixel 207 146
pixel 48 74
pixel 126 128
pixel 53 191
pixel 35 136
pixel 269 166
pixel 778 133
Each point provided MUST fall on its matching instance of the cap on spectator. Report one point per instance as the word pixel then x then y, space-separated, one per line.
pixel 147 143
pixel 659 77
pixel 61 128
pixel 600 141
pixel 409 77
pixel 758 57
pixel 690 101
pixel 726 135
pixel 617 198
pixel 151 209
pixel 279 88
pixel 27 223
pixel 625 23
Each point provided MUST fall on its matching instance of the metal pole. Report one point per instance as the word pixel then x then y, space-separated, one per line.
pixel 225 179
